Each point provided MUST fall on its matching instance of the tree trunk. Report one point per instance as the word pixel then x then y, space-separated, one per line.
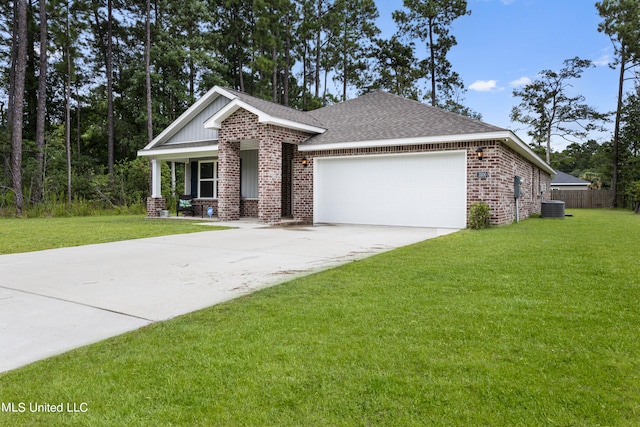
pixel 432 65
pixel 305 78
pixel 616 132
pixel 67 115
pixel 239 64
pixel 109 67
pixel 274 75
pixel 287 58
pixel 318 50
pixel 147 67
pixel 548 154
pixel 38 191
pixel 20 61
pixel 345 59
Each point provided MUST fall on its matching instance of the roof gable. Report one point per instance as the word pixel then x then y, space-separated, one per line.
pixel 190 115
pixel 292 119
pixel 277 111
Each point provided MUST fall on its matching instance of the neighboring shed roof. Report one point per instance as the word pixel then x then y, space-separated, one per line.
pixel 381 115
pixel 562 178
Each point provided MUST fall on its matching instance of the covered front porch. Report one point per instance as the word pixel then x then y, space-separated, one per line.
pixel 226 178
pixel 240 157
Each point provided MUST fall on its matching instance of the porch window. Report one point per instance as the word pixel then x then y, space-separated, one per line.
pixel 208 179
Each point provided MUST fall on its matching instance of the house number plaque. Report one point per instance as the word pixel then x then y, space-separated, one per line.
pixel 482 174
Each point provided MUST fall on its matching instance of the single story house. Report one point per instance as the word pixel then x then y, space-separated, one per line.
pixel 376 159
pixel 564 181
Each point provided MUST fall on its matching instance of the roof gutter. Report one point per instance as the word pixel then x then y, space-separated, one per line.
pixel 520 147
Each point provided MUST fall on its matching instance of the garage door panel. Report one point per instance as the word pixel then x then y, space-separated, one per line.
pixel 425 189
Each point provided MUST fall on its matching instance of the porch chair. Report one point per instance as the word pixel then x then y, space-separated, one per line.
pixel 185 204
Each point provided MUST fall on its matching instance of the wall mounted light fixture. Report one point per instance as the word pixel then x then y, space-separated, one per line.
pixel 305 162
pixel 480 153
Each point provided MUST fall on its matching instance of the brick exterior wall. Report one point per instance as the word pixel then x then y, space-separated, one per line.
pixel 228 179
pixel 243 125
pixel 248 207
pixel 280 169
pixel 201 205
pixel 155 205
pixel 303 187
pixel 500 163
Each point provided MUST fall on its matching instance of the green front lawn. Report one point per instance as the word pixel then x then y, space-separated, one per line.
pixel 524 325
pixel 26 235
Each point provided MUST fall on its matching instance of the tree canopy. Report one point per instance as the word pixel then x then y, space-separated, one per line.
pixel 84 84
pixel 548 109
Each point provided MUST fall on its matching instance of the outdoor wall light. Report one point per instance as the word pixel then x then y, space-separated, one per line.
pixel 305 162
pixel 480 153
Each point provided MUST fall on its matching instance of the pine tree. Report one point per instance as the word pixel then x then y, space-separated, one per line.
pixel 430 21
pixel 19 67
pixel 621 22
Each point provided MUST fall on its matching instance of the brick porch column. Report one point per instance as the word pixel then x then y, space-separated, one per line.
pixel 270 178
pixel 155 205
pixel 228 180
pixel 302 187
pixel 156 202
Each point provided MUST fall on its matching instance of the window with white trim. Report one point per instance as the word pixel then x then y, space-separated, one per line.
pixel 208 179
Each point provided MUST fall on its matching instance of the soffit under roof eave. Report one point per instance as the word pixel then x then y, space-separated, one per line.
pixel 568 184
pixel 485 136
pixel 192 152
pixel 179 153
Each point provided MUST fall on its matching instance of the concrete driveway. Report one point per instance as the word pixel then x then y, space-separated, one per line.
pixel 56 300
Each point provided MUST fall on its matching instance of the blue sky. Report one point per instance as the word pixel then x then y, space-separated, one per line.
pixel 505 43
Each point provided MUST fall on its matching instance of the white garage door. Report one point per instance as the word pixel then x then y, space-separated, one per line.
pixel 418 189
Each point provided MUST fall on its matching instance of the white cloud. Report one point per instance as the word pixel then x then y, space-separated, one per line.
pixel 604 60
pixel 483 85
pixel 522 81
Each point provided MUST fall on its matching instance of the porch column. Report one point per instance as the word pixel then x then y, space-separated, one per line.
pixel 228 180
pixel 186 187
pixel 156 202
pixel 270 179
pixel 156 178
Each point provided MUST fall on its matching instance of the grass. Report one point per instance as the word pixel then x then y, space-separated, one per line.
pixel 26 235
pixel 525 325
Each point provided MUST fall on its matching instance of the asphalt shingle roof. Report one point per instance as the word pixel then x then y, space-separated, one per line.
pixel 381 115
pixel 371 117
pixel 566 179
pixel 276 110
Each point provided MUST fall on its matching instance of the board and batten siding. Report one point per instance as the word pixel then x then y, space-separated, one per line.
pixel 249 174
pixel 194 131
